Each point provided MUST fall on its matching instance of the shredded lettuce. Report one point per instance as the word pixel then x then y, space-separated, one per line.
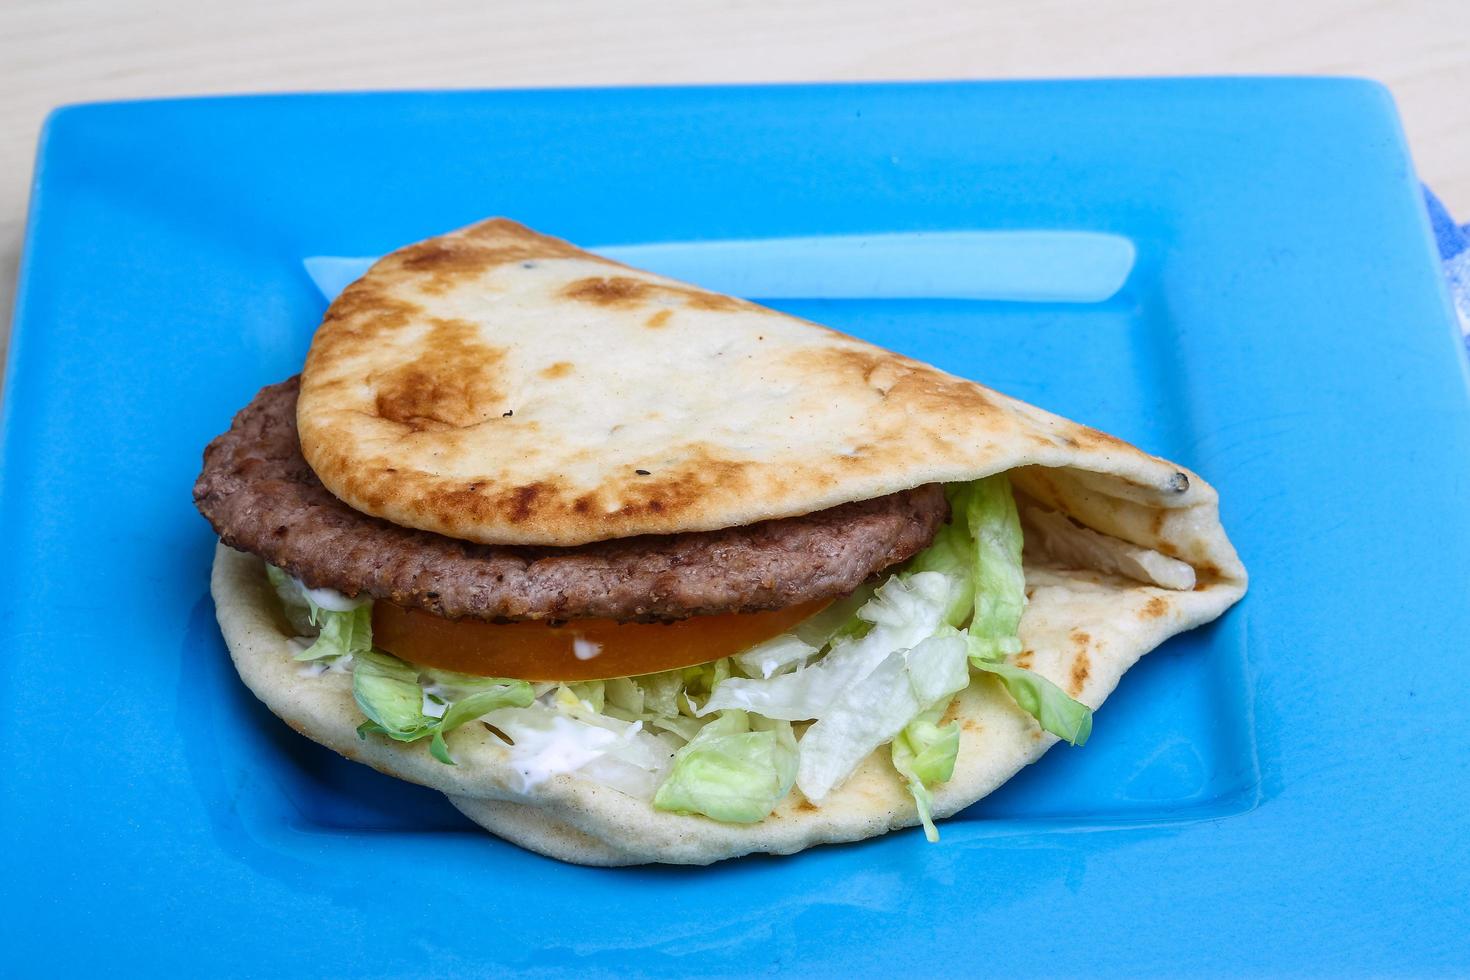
pixel 661 692
pixel 736 769
pixel 971 574
pixel 389 692
pixel 1000 598
pixel 1000 584
pixel 776 656
pixel 300 611
pixel 902 613
pixel 342 632
pixel 591 694
pixel 700 682
pixel 1056 712
pixel 652 699
pixel 924 754
pixel 952 554
pixel 875 709
pixel 982 545
pixel 839 620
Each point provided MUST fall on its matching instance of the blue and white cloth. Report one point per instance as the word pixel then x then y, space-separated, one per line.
pixel 1454 251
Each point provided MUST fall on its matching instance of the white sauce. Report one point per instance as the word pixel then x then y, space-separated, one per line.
pixel 433 708
pixel 585 649
pixel 332 600
pixel 548 744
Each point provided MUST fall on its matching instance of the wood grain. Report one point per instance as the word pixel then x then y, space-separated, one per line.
pixel 54 52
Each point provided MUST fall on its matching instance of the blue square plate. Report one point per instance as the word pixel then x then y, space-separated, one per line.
pixel 1282 791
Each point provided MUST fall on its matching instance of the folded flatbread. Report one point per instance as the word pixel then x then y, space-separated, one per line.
pixel 495 385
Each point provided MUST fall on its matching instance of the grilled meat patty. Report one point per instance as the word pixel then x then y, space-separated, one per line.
pixel 261 496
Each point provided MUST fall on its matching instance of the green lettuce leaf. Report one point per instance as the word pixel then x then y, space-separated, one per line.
pixel 1000 583
pixel 661 692
pixel 300 611
pixel 736 769
pixel 979 552
pixel 593 694
pixel 875 709
pixel 389 692
pixel 1053 709
pixel 902 613
pixel 653 699
pixel 775 656
pixel 341 632
pixel 700 681
pixel 924 754
pixel 625 695
pixel 838 621
pixel 952 553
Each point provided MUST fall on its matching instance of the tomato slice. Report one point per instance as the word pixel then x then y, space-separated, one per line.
pixel 580 650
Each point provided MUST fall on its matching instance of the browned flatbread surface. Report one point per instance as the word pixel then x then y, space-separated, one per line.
pixel 502 386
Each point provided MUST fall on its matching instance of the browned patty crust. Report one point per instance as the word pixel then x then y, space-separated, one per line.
pixel 260 496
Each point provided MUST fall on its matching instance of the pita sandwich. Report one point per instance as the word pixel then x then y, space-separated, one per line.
pixel 636 572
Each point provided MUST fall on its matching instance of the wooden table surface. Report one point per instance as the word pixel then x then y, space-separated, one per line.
pixel 59 51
